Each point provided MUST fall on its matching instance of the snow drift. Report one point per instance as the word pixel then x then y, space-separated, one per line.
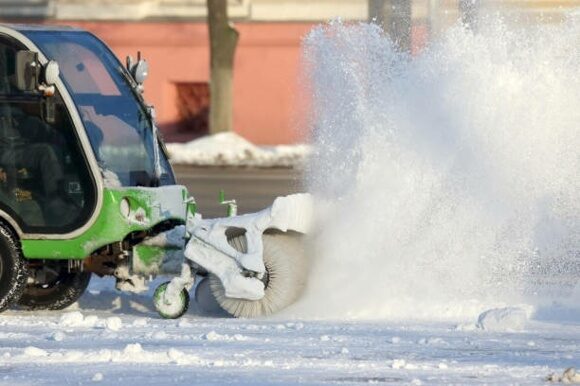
pixel 503 319
pixel 447 183
pixel 229 149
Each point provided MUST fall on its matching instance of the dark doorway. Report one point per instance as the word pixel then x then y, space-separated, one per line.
pixel 193 107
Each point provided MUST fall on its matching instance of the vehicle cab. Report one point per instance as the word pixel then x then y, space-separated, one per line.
pixel 84 176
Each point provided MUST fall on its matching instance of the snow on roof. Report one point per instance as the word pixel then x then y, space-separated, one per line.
pixel 230 149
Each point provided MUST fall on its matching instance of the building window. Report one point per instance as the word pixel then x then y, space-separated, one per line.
pixel 193 108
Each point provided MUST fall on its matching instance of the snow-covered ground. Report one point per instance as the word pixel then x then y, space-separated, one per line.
pixel 451 191
pixel 115 338
pixel 230 149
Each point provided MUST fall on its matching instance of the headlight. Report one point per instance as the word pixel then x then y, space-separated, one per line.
pixel 125 208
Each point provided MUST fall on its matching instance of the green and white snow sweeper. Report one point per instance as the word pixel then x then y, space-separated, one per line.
pixel 86 188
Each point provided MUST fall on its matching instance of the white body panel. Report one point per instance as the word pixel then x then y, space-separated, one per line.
pixel 210 249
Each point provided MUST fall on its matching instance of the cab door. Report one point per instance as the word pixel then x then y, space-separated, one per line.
pixel 45 182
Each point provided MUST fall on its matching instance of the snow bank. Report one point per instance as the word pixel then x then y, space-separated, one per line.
pixel 32 351
pixel 76 319
pixel 503 319
pixel 131 353
pixel 230 149
pixel 113 323
pixel 213 336
pixel 569 376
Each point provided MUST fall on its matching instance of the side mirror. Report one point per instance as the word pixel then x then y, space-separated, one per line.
pixel 32 76
pixel 27 70
pixel 139 70
pixel 51 72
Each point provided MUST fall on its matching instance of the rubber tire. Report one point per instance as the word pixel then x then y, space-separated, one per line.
pixel 69 288
pixel 184 298
pixel 13 272
pixel 287 270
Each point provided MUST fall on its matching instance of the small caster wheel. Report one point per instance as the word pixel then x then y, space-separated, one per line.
pixel 170 307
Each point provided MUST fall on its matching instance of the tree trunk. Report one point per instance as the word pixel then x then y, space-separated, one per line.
pixel 468 10
pixel 395 18
pixel 223 40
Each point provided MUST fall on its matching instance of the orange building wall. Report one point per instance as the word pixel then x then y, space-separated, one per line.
pixel 265 78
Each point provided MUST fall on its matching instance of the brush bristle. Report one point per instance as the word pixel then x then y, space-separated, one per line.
pixel 287 266
pixel 205 299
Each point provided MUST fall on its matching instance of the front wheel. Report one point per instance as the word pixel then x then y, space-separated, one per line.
pixel 286 271
pixel 52 286
pixel 13 271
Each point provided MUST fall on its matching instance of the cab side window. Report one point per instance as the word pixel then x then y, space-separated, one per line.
pixel 45 183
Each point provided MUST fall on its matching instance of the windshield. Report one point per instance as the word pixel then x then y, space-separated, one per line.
pixel 114 117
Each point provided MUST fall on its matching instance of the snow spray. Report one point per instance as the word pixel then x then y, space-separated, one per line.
pixel 449 182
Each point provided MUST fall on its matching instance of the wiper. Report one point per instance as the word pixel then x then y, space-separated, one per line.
pixel 151 116
pixel 134 88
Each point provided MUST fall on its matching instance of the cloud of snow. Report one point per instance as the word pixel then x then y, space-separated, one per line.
pixel 448 183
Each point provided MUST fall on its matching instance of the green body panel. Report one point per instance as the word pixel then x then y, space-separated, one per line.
pixel 149 255
pixel 155 260
pixel 149 206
